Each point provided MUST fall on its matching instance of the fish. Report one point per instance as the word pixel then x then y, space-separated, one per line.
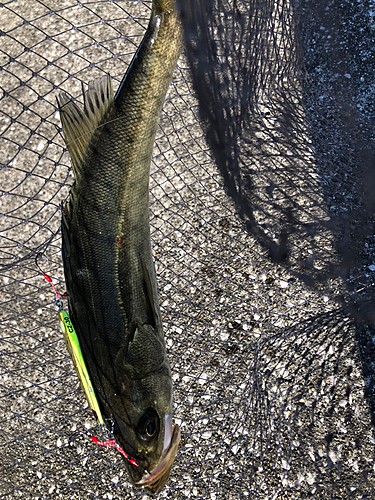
pixel 106 249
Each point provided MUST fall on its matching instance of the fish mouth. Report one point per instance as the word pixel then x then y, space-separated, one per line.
pixel 156 479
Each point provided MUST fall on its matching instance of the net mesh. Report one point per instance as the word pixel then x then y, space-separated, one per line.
pixel 263 240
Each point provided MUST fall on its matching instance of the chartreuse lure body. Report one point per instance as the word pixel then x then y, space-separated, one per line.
pixel 72 344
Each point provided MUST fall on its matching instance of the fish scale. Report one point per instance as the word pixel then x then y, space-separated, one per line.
pixel 109 271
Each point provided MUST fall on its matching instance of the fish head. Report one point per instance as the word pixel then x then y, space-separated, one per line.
pixel 143 414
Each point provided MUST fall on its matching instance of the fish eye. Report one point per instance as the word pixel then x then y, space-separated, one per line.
pixel 148 426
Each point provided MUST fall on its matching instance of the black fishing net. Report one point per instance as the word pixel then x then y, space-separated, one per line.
pixel 262 230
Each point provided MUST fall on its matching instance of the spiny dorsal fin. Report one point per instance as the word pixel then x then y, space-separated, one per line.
pixel 79 126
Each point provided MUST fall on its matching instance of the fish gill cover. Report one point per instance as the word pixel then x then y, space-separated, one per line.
pixel 262 204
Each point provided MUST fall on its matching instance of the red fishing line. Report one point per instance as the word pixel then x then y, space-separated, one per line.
pixel 49 280
pixel 113 442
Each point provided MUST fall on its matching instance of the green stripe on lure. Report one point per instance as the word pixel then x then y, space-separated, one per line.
pixel 72 344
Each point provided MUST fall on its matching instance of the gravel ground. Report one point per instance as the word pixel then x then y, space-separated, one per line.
pixel 270 375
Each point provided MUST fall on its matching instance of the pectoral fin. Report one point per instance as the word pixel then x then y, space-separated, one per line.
pixel 151 294
pixel 145 354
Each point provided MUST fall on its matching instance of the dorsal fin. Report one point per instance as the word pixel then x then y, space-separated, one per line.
pixel 79 125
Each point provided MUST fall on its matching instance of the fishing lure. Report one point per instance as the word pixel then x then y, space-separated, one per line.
pixel 74 349
pixel 75 352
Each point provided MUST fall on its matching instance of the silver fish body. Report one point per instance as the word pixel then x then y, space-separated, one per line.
pixel 109 271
